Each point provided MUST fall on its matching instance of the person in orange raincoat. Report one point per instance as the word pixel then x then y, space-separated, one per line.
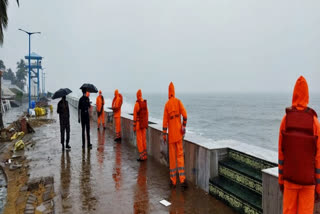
pixel 100 110
pixel 88 95
pixel 140 125
pixel 116 107
pixel 172 121
pixel 299 153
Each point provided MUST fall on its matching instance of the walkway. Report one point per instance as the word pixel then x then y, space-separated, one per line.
pixel 108 179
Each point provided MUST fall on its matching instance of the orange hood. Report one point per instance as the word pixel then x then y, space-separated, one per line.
pixel 116 92
pixel 139 95
pixel 171 90
pixel 300 96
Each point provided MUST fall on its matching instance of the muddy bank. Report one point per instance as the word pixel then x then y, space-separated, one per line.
pixel 23 195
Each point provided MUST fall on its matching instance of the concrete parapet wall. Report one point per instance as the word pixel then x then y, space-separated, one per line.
pixel 202 157
pixel 201 162
pixel 272 196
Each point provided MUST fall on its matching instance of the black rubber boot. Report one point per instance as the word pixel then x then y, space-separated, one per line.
pixel 184 185
pixel 68 147
pixel 172 186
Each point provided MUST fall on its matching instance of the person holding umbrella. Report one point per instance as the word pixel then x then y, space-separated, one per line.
pixel 83 113
pixel 64 116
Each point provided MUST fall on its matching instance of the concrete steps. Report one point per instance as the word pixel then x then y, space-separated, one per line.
pixel 242 174
pixel 239 183
pixel 238 197
pixel 249 160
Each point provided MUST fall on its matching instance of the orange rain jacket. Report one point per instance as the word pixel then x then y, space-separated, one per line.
pixel 116 103
pixel 99 102
pixel 136 110
pixel 300 100
pixel 172 117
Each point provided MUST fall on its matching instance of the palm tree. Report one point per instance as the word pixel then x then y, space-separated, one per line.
pixel 3 17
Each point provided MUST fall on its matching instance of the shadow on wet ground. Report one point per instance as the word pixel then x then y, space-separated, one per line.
pixel 108 179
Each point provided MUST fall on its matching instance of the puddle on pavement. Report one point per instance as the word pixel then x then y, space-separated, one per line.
pixel 108 179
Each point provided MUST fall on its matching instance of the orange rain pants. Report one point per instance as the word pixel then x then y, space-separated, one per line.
pixel 117 121
pixel 172 121
pixel 298 198
pixel 101 119
pixel 141 142
pixel 176 155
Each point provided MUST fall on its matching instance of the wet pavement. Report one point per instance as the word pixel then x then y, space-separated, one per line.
pixel 108 179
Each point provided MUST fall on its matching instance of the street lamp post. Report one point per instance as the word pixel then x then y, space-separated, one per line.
pixel 43 82
pixel 29 61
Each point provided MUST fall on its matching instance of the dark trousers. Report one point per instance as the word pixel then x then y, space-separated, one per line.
pixel 63 129
pixel 85 124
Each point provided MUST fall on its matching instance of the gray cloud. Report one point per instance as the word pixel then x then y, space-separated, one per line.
pixel 203 46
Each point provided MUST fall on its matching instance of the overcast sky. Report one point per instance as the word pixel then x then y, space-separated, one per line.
pixel 202 46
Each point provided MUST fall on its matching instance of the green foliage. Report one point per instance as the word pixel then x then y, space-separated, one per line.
pixel 21 74
pixel 19 95
pixel 9 75
pixel 3 17
pixel 2 66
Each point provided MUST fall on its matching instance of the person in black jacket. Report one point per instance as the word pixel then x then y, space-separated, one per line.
pixel 64 117
pixel 83 117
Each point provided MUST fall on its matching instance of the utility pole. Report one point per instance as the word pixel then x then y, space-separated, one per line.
pixel 44 84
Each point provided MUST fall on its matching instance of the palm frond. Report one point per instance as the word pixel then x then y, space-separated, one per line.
pixel 4 17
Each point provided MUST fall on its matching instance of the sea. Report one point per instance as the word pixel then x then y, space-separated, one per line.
pixel 252 118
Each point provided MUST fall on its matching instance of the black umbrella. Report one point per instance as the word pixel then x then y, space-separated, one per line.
pixel 61 92
pixel 89 87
